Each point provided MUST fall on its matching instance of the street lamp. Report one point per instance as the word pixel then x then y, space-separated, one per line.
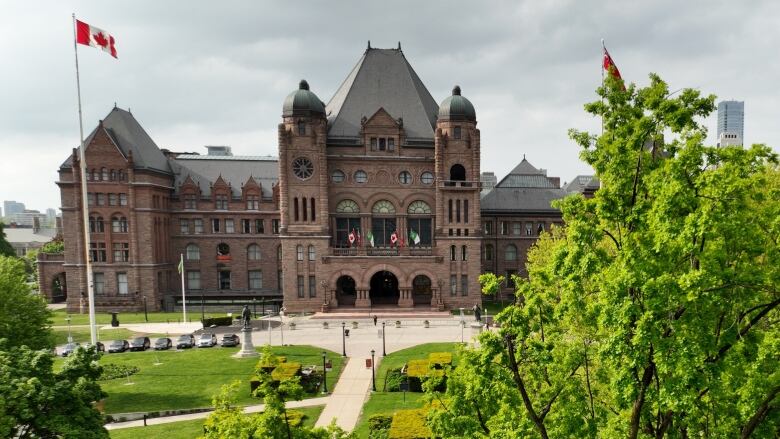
pixel 70 338
pixel 373 379
pixel 324 375
pixel 384 353
pixel 254 306
pixel 202 308
pixel 343 339
pixel 146 315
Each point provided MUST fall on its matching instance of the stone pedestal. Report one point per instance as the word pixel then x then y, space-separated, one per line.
pixel 247 348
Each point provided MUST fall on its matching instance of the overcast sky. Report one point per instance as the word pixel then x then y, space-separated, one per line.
pixel 215 73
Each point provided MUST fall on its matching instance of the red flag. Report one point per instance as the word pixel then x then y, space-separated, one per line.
pixel 351 237
pixel 92 36
pixel 609 65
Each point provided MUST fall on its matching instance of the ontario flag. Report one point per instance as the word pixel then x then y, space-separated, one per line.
pixel 92 36
pixel 609 65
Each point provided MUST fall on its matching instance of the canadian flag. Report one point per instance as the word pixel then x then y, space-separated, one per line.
pixel 92 36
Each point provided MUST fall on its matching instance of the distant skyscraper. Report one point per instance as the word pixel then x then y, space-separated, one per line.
pixel 731 120
pixel 51 214
pixel 1 212
pixel 12 207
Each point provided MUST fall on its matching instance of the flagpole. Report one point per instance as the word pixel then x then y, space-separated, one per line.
pixel 183 299
pixel 603 54
pixel 84 200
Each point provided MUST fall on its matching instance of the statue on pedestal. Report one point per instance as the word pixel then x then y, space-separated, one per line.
pixel 246 316
pixel 477 313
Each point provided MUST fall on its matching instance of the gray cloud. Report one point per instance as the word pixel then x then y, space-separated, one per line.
pixel 199 72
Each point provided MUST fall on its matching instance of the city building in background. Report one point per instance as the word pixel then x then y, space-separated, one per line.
pixel 12 207
pixel 488 180
pixel 731 123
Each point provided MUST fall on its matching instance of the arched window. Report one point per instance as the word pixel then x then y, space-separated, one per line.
pixel 96 224
pixel 347 206
pixel 361 176
pixel 489 252
pixel 457 173
pixel 313 213
pixel 426 177
pixel 295 208
pixel 419 208
pixel 113 175
pixel 463 253
pixel 105 174
pixel 303 208
pixel 253 252
pixel 510 253
pixel 405 177
pixel 383 207
pixel 312 253
pixel 193 252
pixel 337 176
pixel 223 249
pixel 299 252
pixel 301 128
pixel 453 252
pixel 120 175
pixel 119 224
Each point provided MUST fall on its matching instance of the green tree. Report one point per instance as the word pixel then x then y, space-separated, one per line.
pixel 24 318
pixel 5 246
pixel 228 419
pixel 56 245
pixel 655 312
pixel 38 403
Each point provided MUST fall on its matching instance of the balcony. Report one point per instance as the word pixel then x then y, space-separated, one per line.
pixel 382 251
pixel 459 184
pixel 375 252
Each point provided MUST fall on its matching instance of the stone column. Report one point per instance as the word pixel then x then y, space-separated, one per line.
pixel 363 299
pixel 405 299
pixel 247 348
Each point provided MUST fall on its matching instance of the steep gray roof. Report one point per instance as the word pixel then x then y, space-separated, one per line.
pixel 579 183
pixel 129 135
pixel 25 235
pixel 235 170
pixel 524 189
pixel 382 79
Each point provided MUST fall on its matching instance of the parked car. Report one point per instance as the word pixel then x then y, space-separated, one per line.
pixel 99 347
pixel 140 344
pixel 118 346
pixel 162 344
pixel 207 340
pixel 230 340
pixel 69 348
pixel 185 341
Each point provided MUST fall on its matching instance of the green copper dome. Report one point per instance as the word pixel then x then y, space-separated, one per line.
pixel 302 102
pixel 456 107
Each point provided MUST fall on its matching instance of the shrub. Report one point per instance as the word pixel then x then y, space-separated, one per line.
pixel 393 380
pixel 295 417
pixel 112 371
pixel 409 424
pixel 417 368
pixel 217 321
pixel 286 371
pixel 440 358
pixel 378 424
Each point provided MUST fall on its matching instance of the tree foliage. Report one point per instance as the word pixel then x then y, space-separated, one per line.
pixel 5 246
pixel 39 403
pixel 654 313
pixel 228 420
pixel 24 318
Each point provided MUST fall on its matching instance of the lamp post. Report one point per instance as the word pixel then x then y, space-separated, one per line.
pixel 70 338
pixel 343 339
pixel 324 375
pixel 202 307
pixel 384 353
pixel 254 307
pixel 146 315
pixel 373 379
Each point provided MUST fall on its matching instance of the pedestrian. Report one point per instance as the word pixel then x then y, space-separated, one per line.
pixel 374 319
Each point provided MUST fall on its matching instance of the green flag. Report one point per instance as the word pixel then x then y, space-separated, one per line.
pixel 414 237
pixel 370 238
pixel 181 265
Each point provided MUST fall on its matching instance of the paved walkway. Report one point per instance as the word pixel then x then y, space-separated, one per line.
pixel 347 399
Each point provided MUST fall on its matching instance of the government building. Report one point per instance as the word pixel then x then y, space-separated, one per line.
pixel 373 202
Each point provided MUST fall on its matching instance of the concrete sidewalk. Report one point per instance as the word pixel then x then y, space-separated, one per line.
pixel 347 399
pixel 203 415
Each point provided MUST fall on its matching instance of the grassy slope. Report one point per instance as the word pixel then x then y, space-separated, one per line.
pixel 103 318
pixel 190 378
pixel 389 402
pixel 191 429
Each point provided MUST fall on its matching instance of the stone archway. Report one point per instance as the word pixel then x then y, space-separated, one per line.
pixel 346 291
pixel 422 290
pixel 384 289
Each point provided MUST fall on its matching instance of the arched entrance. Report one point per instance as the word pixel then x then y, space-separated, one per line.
pixel 59 288
pixel 384 289
pixel 345 291
pixel 422 291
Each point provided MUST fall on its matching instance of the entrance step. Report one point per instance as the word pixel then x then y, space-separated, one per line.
pixel 382 314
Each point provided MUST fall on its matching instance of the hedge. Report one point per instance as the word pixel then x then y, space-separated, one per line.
pixel 409 424
pixel 112 371
pixel 217 321
pixel 379 422
pixel 441 358
pixel 286 371
pixel 417 368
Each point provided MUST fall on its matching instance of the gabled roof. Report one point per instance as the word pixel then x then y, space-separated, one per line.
pixel 525 175
pixel 382 78
pixel 579 183
pixel 129 135
pixel 524 189
pixel 234 170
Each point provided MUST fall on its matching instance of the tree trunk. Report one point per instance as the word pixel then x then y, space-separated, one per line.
pixel 636 411
pixel 521 386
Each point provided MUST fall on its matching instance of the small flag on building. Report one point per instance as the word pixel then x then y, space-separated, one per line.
pixel 370 238
pixel 414 237
pixel 351 237
pixel 92 36
pixel 359 239
pixel 394 238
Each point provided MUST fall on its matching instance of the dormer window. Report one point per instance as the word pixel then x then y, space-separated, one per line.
pixel 391 144
pixel 382 144
pixel 253 202
pixel 456 133
pixel 221 202
pixel 190 201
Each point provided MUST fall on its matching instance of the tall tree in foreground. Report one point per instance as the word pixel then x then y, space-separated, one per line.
pixel 24 318
pixel 5 246
pixel 655 312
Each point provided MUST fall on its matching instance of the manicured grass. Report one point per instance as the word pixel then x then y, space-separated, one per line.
pixel 492 308
pixel 104 318
pixel 190 378
pixel 194 428
pixel 388 402
pixel 82 335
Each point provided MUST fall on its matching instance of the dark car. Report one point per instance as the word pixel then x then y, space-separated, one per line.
pixel 207 340
pixel 140 344
pixel 162 344
pixel 230 340
pixel 69 348
pixel 99 347
pixel 185 341
pixel 118 346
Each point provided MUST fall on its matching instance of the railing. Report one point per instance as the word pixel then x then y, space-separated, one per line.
pixel 345 251
pixel 382 251
pixel 460 183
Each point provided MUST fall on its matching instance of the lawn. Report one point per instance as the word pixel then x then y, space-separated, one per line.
pixel 194 428
pixel 104 318
pixel 82 335
pixel 492 308
pixel 389 402
pixel 190 378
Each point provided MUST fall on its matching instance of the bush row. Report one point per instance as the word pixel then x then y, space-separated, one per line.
pixel 112 371
pixel 217 321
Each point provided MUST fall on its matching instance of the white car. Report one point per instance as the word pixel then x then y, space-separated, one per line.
pixel 207 340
